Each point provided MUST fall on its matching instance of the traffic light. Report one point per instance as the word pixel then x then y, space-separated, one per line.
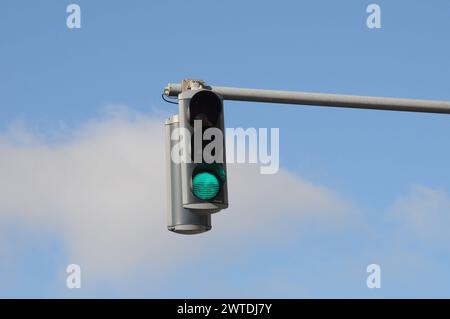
pixel 179 219
pixel 198 183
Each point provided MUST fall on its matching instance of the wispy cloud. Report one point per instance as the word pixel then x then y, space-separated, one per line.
pixel 103 191
pixel 424 214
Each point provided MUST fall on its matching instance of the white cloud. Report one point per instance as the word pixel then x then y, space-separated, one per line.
pixel 424 214
pixel 103 191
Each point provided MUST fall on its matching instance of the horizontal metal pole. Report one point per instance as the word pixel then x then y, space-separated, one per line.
pixel 322 99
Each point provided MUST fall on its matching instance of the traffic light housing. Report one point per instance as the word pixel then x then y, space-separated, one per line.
pixel 198 183
pixel 179 219
pixel 204 180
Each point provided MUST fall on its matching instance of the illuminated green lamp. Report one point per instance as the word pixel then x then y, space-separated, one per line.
pixel 205 185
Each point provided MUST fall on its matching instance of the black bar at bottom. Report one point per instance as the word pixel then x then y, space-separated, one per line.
pixel 226 308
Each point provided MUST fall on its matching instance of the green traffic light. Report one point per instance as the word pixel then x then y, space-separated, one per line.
pixel 205 185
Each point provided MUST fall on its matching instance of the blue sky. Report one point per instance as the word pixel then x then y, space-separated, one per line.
pixel 390 168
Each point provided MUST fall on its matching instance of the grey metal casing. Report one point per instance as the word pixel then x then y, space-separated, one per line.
pixel 188 199
pixel 179 219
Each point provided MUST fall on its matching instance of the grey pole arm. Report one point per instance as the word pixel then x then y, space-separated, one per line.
pixel 322 99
